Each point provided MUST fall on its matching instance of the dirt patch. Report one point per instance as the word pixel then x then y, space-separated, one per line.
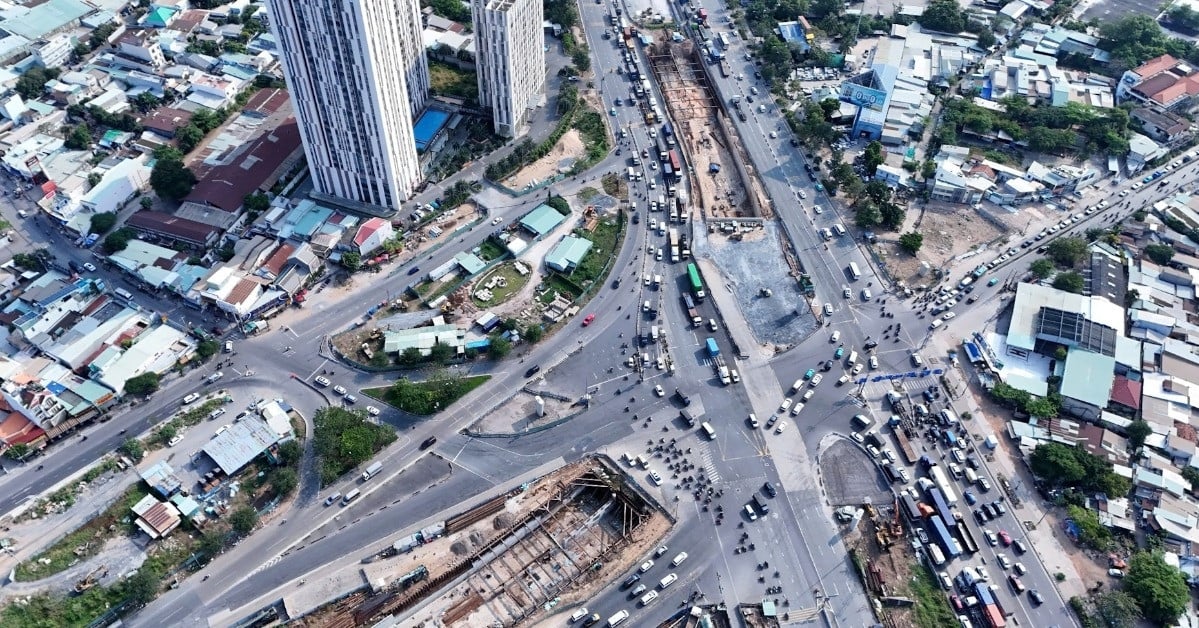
pixel 560 159
pixel 951 233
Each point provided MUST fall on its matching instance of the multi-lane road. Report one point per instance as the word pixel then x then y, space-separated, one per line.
pixel 798 540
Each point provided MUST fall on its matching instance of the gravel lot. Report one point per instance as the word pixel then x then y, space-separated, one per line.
pixel 850 476
pixel 753 263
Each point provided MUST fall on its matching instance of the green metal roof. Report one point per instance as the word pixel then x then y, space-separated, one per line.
pixel 542 220
pixel 568 253
pixel 1088 377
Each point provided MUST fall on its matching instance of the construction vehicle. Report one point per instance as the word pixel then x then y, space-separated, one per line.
pixel 90 580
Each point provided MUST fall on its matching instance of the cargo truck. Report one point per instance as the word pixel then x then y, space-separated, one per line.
pixel 938 476
pixel 713 348
pixel 968 542
pixel 905 445
pixel 372 471
pixel 692 313
pixel 944 538
pixel 674 245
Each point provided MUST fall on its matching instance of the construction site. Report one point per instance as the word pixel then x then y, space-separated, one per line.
pixel 532 552
pixel 724 182
pixel 885 559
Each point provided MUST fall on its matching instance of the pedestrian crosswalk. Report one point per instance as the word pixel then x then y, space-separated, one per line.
pixel 911 385
pixel 709 464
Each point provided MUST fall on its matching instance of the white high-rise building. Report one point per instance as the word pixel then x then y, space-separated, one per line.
pixel 357 74
pixel 510 58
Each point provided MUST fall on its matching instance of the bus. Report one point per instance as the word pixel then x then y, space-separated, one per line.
pixel 854 271
pixel 724 40
pixel 697 286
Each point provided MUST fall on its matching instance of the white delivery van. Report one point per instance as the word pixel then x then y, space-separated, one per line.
pixel 708 430
pixel 372 471
pixel 854 271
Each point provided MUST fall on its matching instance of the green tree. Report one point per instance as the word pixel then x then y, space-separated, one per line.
pixel 986 39
pixel 943 15
pixel 102 222
pixel 1057 464
pixel 1041 407
pixel 911 242
pixel 873 157
pixel 243 519
pixel 143 384
pixel 499 348
pixel 290 453
pixel 166 152
pixel 18 451
pixel 533 333
pixel 1117 609
pixel 1090 532
pixel 257 202
pixel 1192 475
pixel 166 433
pixel 891 215
pixel 351 260
pixel 410 356
pixel 1159 253
pixel 1042 268
pixel 27 261
pixel 32 83
pixel 132 447
pixel 188 137
pixel 141 588
pixel 284 481
pixel 1138 431
pixel 79 138
pixel 171 179
pixel 146 202
pixel 145 102
pixel 560 204
pixel 343 440
pixel 441 353
pixel 210 545
pixel 207 348
pixel 1069 281
pixel 1159 588
pixel 867 215
pixel 116 241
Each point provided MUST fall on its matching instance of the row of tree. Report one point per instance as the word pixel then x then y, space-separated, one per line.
pixel 1046 129
pixel 1063 466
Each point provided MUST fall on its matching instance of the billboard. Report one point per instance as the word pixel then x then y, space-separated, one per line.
pixel 863 96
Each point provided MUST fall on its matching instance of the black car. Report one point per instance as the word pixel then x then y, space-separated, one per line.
pixel 682 397
pixel 428 442
pixel 794 142
pixel 749 99
pixel 615 284
pixel 414 270
pixel 636 218
pixel 769 489
pixel 761 504
pixel 533 370
pixel 828 365
pixel 1036 598
pixel 630 581
pixel 870 344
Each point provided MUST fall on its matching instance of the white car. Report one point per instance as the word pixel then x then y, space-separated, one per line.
pixel 808 395
pixel 949 315
pixel 321 380
pixel 773 135
pixel 835 337
pixel 857 437
pixel 646 566
pixel 992 540
pixel 873 362
pixel 857 368
pixel 1020 568
pixel 818 209
pixel 658 391
pixel 372 410
pixel 668 580
pixel 785 405
pixel 190 398
pixel 339 389
pixel 89 267
pixel 1004 561
pixel 174 441
pixel 795 409
pixel 781 426
pixel 816 380
pixel 657 479
pixel 803 194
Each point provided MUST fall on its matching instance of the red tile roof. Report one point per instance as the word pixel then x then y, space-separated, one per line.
pixel 367 230
pixel 274 263
pixel 266 101
pixel 1156 65
pixel 258 167
pixel 17 428
pixel 1126 392
pixel 242 291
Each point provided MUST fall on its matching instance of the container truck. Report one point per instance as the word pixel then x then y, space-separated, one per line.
pixel 909 506
pixel 372 471
pixel 942 507
pixel 944 538
pixel 713 349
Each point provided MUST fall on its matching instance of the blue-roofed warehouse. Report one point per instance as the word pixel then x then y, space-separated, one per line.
pixel 542 220
pixel 427 126
pixel 567 254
